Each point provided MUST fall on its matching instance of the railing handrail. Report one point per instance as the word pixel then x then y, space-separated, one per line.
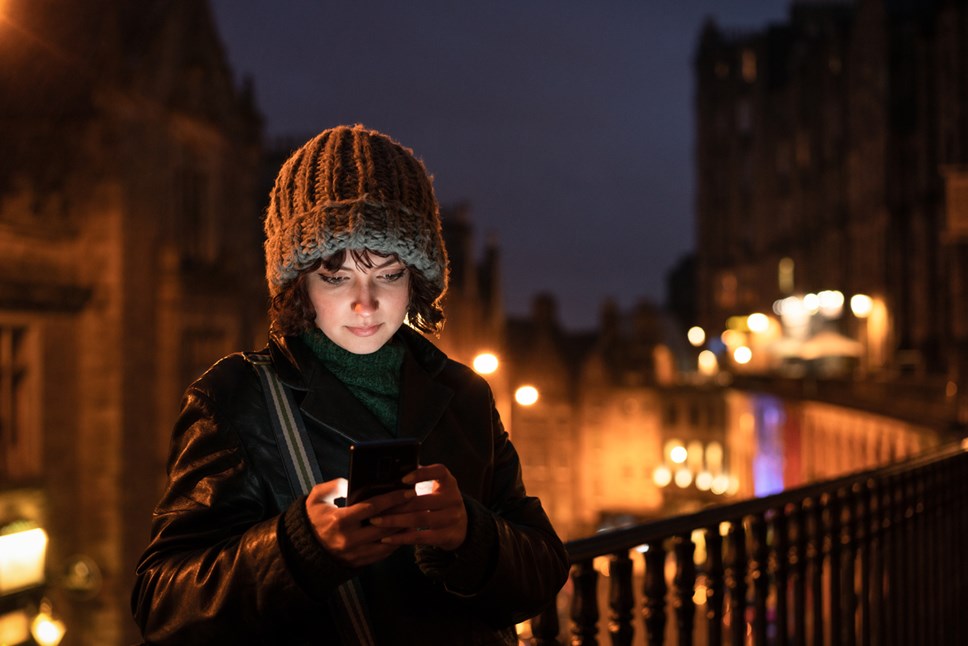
pixel 867 557
pixel 613 540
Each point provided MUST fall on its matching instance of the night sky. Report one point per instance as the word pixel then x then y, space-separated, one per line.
pixel 567 126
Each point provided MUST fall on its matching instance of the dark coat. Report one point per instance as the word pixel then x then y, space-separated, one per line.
pixel 233 560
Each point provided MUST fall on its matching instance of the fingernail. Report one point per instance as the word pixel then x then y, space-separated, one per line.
pixel 408 480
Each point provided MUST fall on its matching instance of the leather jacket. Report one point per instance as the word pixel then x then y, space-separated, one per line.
pixel 233 559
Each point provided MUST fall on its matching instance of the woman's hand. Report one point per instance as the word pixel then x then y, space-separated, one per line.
pixel 344 531
pixel 436 518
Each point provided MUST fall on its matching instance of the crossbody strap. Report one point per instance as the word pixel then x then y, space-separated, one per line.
pixel 303 471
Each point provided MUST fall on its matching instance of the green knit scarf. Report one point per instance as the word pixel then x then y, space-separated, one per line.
pixel 373 378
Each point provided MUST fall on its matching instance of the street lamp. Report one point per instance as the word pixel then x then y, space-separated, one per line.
pixel 707 363
pixel 861 305
pixel 696 336
pixel 694 465
pixel 526 395
pixel 742 355
pixel 758 322
pixel 485 363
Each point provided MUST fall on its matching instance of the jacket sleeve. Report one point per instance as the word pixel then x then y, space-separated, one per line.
pixel 213 571
pixel 512 564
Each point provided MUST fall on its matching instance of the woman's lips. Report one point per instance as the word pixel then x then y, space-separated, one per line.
pixel 363 330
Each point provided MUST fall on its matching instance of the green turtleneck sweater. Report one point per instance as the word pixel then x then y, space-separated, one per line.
pixel 373 378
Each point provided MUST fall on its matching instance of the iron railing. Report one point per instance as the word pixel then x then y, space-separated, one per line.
pixel 876 557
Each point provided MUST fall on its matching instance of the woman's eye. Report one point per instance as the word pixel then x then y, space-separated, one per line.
pixel 395 276
pixel 331 280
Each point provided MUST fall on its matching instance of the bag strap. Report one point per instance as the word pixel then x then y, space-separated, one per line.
pixel 303 472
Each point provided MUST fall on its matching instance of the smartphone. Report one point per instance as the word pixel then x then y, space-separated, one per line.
pixel 377 467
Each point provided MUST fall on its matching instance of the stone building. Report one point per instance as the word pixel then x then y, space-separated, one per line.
pixel 610 410
pixel 130 258
pixel 474 303
pixel 831 156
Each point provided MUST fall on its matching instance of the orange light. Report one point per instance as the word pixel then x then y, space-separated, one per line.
pixel 696 336
pixel 485 363
pixel 526 395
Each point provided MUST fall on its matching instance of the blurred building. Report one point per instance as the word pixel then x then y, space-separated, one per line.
pixel 475 329
pixel 832 183
pixel 611 424
pixel 130 257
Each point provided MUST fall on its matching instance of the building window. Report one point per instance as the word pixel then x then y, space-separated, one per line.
pixel 196 227
pixel 744 116
pixel 748 65
pixel 803 154
pixel 726 292
pixel 19 444
pixel 694 415
pixel 956 198
pixel 671 414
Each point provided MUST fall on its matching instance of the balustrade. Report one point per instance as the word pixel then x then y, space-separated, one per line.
pixel 871 558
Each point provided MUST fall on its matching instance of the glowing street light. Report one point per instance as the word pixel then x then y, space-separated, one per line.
pixel 861 305
pixel 742 355
pixel 831 303
pixel 662 475
pixel 758 322
pixel 704 481
pixel 678 454
pixel 811 302
pixel 696 336
pixel 683 477
pixel 485 363
pixel 526 395
pixel 707 363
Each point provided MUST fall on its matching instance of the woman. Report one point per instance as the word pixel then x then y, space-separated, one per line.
pixel 354 260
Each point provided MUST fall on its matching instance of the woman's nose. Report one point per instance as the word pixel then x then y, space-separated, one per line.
pixel 365 299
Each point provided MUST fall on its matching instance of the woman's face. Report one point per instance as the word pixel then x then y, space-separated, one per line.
pixel 359 308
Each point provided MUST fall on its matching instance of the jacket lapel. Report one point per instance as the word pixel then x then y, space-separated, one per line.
pixel 331 404
pixel 422 401
pixel 322 397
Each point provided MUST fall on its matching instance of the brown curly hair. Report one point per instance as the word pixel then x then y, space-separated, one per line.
pixel 292 313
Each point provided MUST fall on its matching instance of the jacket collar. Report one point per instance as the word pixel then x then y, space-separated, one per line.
pixel 329 403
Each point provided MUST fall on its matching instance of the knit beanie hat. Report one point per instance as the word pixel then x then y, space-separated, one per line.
pixel 353 188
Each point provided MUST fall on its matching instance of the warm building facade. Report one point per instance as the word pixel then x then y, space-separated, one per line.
pixel 831 155
pixel 130 258
pixel 609 422
pixel 618 435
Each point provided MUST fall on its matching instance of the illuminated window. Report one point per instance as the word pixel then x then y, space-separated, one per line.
pixel 748 65
pixel 195 213
pixel 785 273
pixel 19 444
pixel 956 198
pixel 726 292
